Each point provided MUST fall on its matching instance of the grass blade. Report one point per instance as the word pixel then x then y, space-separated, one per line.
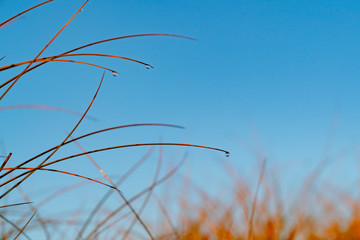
pixel 19 14
pixel 93 133
pixel 15 204
pixel 24 226
pixel 60 171
pixel 98 42
pixel 106 149
pixel 5 161
pixel 54 60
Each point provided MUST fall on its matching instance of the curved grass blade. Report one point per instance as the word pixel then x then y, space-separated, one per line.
pixel 98 42
pixel 19 14
pixel 56 60
pixel 60 171
pixel 106 149
pixel 128 36
pixel 53 58
pixel 107 55
pixel 93 133
pixel 135 145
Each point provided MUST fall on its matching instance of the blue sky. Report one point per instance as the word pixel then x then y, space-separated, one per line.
pixel 276 79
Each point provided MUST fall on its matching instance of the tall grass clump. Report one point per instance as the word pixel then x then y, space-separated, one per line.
pixel 16 173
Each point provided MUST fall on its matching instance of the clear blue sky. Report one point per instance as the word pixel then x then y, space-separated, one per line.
pixel 276 79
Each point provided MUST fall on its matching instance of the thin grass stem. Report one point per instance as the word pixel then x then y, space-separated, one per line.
pixel 63 172
pixel 55 60
pixel 89 134
pixel 21 13
pixel 15 204
pixel 5 161
pixel 25 226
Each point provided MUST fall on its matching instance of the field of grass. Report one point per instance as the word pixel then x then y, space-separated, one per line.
pixel 245 209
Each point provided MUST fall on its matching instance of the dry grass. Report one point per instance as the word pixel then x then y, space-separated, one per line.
pixel 242 212
pixel 12 179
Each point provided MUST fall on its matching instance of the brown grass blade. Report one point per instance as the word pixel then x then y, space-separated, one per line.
pixel 98 42
pixel 19 14
pixel 24 226
pixel 60 171
pixel 134 145
pixel 15 204
pixel 93 133
pixel 5 161
pixel 106 149
pixel 55 60
pixel 107 55
pixel 128 36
